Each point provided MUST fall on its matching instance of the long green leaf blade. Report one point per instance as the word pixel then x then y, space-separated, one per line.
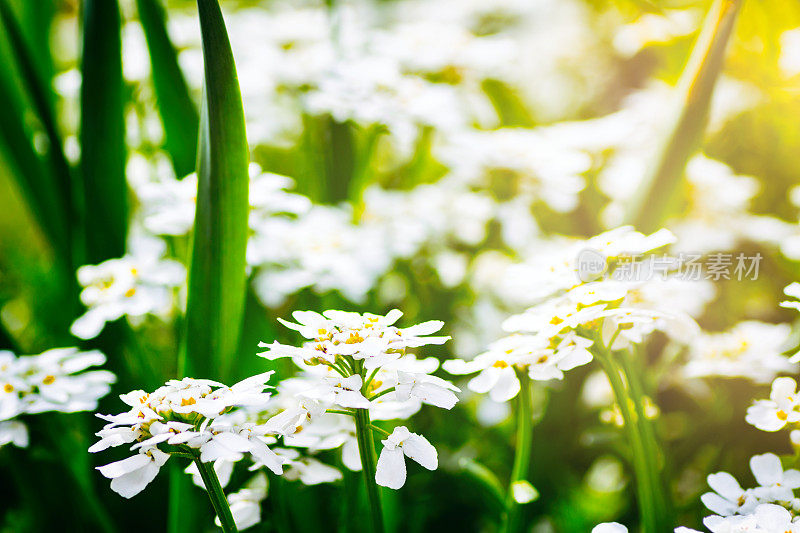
pixel 178 113
pixel 658 190
pixel 217 274
pixel 102 135
pixel 28 169
pixel 42 99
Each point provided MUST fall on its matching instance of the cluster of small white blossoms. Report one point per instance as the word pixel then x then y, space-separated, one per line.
pixel 770 507
pixel 141 283
pixel 351 362
pixel 751 349
pixel 782 409
pixel 52 381
pixel 556 335
pixel 191 417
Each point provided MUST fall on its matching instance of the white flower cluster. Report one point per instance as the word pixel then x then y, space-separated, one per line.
pixel 355 362
pixel 141 283
pixel 768 508
pixel 556 335
pixel 55 380
pixel 193 417
pixel 751 350
pixel 772 506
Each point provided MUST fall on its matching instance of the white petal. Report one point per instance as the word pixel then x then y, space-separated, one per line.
pixel 507 385
pixel 391 469
pixel 418 448
pixel 767 469
pixel 120 468
pixel 726 485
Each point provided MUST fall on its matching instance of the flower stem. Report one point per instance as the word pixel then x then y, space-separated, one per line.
pixel 216 494
pixel 366 450
pixel 653 507
pixel 522 455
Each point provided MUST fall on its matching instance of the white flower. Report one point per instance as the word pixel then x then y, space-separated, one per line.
pixel 751 349
pixel 14 432
pixel 609 527
pixel 541 357
pixel 391 469
pixel 429 389
pixel 308 470
pixel 775 484
pixel 372 338
pixel 130 476
pixel 782 408
pixel 55 380
pixel 729 498
pixel 140 283
pixel 345 392
pixel 246 503
pixel 193 416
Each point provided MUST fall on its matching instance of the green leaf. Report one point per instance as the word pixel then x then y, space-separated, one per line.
pixel 486 479
pixel 178 113
pixel 659 190
pixel 102 135
pixel 217 274
pixel 64 215
pixel 29 170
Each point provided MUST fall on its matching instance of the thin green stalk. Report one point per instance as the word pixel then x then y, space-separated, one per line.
pixel 522 454
pixel 653 509
pixel 366 451
pixel 653 454
pixel 216 494
pixel 381 393
pixel 341 412
pixel 379 430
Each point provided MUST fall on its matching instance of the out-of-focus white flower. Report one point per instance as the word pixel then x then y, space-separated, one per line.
pixel 543 168
pixel 789 60
pixel 308 470
pixel 653 28
pixel 609 527
pixel 14 432
pixel 55 380
pixel 246 503
pixel 391 469
pixel 138 284
pixel 322 250
pixel 751 350
pixel 189 415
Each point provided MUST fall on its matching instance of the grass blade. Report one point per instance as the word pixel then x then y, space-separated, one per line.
pixel 102 135
pixel 217 274
pixel 29 170
pixel 42 99
pixel 658 191
pixel 178 113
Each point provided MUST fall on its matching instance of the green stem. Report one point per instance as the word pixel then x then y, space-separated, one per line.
pixel 379 430
pixel 653 454
pixel 216 494
pixel 340 412
pixel 644 456
pixel 522 455
pixel 381 393
pixel 366 451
